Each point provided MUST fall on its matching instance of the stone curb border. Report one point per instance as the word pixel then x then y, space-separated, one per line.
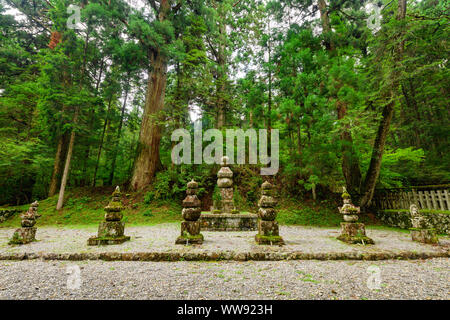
pixel 223 256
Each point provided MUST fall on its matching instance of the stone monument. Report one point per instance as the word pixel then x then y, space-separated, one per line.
pixel 225 184
pixel 27 233
pixel 224 216
pixel 352 231
pixel 111 231
pixel 190 227
pixel 420 231
pixel 268 231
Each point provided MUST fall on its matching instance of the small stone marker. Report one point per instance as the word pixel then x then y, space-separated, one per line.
pixel 352 231
pixel 27 233
pixel 190 228
pixel 225 184
pixel 268 230
pixel 112 230
pixel 420 231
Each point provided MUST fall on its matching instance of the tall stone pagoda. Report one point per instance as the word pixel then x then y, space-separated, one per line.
pixel 420 232
pixel 268 230
pixel 352 231
pixel 27 233
pixel 225 184
pixel 190 227
pixel 111 231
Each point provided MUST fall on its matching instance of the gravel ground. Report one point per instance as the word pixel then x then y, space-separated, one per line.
pixel 418 279
pixel 161 238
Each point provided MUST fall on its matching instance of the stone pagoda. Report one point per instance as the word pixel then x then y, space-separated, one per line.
pixel 268 231
pixel 111 231
pixel 420 231
pixel 352 231
pixel 190 227
pixel 225 184
pixel 27 233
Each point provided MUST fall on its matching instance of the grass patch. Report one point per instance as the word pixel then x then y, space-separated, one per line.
pixel 84 207
pixel 387 228
pixel 320 214
pixel 421 210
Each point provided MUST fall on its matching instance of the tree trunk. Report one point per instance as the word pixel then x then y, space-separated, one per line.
pixel 119 132
pixel 326 26
pixel 383 129
pixel 221 77
pixel 87 152
pixel 59 162
pixel 147 160
pixel 101 142
pixel 350 162
pixel 65 176
pixel 377 155
pixel 299 145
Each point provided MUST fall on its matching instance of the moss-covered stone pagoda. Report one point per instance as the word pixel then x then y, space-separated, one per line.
pixel 111 231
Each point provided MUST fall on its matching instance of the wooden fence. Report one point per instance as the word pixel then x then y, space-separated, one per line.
pixel 402 199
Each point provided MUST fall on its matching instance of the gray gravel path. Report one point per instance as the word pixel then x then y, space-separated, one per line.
pixel 418 279
pixel 161 238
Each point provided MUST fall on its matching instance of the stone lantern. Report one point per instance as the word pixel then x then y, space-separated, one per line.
pixel 190 227
pixel 225 184
pixel 420 232
pixel 27 233
pixel 268 230
pixel 352 231
pixel 111 231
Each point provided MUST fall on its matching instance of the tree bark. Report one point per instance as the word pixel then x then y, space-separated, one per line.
pixel 58 165
pixel 377 155
pixel 147 160
pixel 65 176
pixel 326 26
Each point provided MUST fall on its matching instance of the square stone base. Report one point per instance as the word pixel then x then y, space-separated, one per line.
pixel 424 235
pixel 190 227
pixel 228 222
pixel 111 229
pixel 268 233
pixel 190 233
pixel 269 240
pixel 352 232
pixel 23 236
pixel 96 241
pixel 268 228
pixel 189 239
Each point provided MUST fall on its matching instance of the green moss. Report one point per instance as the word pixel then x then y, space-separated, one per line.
pixel 16 239
pixel 358 239
pixel 345 195
pixel 268 239
pixel 107 240
pixel 189 236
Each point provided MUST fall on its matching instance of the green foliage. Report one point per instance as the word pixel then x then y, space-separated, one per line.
pixel 323 90
pixel 217 197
